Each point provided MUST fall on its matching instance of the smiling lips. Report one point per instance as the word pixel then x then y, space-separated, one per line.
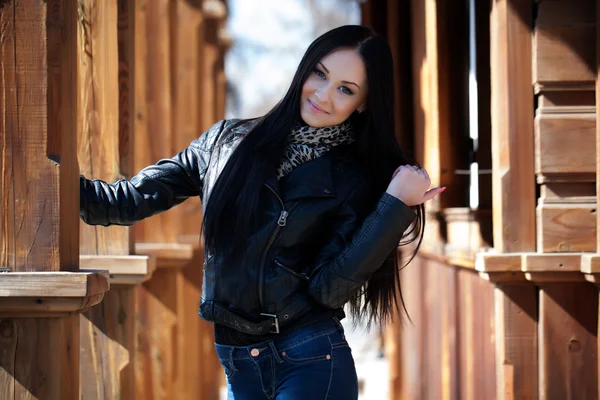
pixel 316 109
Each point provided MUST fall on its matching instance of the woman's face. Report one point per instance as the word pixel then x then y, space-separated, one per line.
pixel 334 89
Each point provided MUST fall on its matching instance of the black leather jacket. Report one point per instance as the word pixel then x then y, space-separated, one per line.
pixel 322 233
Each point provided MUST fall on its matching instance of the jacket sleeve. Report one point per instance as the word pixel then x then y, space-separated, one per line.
pixel 154 189
pixel 359 246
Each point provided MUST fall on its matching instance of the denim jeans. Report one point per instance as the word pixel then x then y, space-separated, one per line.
pixel 313 362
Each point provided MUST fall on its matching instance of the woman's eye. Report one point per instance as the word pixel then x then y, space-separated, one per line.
pixel 345 90
pixel 319 73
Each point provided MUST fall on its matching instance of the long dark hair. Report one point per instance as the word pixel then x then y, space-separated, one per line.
pixel 227 223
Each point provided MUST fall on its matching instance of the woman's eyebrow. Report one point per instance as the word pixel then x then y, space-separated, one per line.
pixel 346 82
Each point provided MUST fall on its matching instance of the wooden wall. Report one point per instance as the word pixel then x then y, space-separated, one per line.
pixel 502 298
pixel 104 89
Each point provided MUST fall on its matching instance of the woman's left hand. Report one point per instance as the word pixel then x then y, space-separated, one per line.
pixel 410 185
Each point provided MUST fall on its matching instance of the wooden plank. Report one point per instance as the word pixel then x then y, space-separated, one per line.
pixel 516 342
pixel 46 307
pixel 413 343
pixel 53 284
pixel 562 32
pixel 213 11
pixel 551 262
pixel 563 192
pixel 168 255
pixel 107 341
pixel 562 54
pixel 98 105
pixel 155 139
pixel 123 270
pixel 512 126
pixel 568 342
pixel 38 223
pixel 565 143
pixel 186 35
pixel 156 358
pixel 567 227
pixel 598 129
pixel 49 341
pixel 475 331
pixel 490 262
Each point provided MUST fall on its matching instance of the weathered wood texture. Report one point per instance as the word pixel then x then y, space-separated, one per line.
pixel 564 72
pixel 39 357
pixel 105 34
pixel 36 358
pixel 98 136
pixel 568 342
pixel 516 341
pixel 512 126
pixel 39 211
pixel 446 352
pixel 107 344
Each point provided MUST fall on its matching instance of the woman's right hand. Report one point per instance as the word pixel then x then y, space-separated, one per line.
pixel 410 185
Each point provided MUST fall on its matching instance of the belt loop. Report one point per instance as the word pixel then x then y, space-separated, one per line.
pixel 231 364
pixel 275 352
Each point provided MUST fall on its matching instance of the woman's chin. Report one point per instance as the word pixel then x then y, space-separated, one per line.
pixel 311 120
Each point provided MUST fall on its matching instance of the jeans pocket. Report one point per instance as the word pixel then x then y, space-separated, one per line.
pixel 310 350
pixel 228 368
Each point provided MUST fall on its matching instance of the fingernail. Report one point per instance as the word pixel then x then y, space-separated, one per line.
pixel 442 189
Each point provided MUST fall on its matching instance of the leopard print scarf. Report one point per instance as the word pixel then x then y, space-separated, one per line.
pixel 306 143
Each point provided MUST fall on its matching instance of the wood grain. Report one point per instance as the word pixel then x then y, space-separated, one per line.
pixel 155 139
pixel 512 126
pixel 37 224
pixel 565 143
pixel 476 337
pixel 568 342
pixel 98 141
pixel 107 337
pixel 186 35
pixel 567 227
pixel 53 284
pixel 516 341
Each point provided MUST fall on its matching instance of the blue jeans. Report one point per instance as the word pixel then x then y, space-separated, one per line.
pixel 313 362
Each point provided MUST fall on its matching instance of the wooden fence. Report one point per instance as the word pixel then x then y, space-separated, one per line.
pixel 104 88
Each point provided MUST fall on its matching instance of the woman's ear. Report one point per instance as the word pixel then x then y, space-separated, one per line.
pixel 361 108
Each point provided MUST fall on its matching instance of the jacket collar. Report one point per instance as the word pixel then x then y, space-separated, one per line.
pixel 314 178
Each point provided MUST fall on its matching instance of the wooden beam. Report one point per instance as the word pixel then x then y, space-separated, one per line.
pixel 512 126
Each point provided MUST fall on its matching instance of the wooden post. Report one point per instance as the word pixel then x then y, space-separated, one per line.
pixel 40 301
pixel 105 30
pixel 512 126
pixel 513 185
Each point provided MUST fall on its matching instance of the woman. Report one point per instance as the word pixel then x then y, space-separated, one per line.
pixel 304 209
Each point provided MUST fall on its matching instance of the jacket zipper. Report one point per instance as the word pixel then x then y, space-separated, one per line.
pixel 281 222
pixel 291 271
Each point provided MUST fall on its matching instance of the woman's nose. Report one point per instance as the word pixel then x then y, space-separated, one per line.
pixel 322 93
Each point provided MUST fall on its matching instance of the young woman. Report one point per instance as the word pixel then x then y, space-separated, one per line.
pixel 304 209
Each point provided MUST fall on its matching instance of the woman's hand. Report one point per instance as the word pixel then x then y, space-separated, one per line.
pixel 410 185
